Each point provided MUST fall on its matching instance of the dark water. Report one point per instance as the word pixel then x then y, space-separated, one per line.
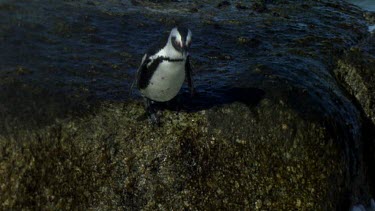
pixel 93 48
pixel 60 46
pixel 84 47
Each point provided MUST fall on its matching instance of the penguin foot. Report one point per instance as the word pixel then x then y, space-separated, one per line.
pixel 154 119
pixel 192 92
pixel 151 112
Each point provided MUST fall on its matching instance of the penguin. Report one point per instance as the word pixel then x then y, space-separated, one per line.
pixel 164 69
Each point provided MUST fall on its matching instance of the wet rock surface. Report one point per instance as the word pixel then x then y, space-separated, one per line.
pixel 355 71
pixel 271 126
pixel 108 160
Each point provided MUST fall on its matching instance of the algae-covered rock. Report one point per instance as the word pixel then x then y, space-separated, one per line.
pixel 356 71
pixel 234 156
pixel 200 160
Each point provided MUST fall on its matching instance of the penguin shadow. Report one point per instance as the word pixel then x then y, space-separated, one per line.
pixel 205 100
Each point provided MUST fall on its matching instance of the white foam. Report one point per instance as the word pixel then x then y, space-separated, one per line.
pixel 365 4
pixel 360 207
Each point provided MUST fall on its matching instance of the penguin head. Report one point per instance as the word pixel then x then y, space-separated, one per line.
pixel 180 38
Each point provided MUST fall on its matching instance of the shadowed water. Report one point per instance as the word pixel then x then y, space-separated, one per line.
pixel 90 50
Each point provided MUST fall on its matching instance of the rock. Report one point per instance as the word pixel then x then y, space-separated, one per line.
pixel 133 164
pixel 241 6
pixel 259 6
pixel 370 17
pixel 223 4
pixel 356 72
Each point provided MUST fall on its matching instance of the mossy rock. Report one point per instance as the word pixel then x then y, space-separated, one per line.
pixel 356 71
pixel 202 160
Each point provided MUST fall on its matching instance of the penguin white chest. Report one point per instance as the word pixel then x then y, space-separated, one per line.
pixel 166 81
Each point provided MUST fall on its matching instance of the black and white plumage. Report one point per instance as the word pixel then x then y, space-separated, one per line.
pixel 163 70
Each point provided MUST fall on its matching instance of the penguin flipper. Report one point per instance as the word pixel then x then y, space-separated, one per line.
pixel 138 74
pixel 188 73
pixel 146 70
pixel 141 70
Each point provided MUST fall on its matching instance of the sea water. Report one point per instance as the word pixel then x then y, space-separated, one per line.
pixel 368 5
pixel 365 4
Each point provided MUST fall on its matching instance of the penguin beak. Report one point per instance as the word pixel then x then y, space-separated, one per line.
pixel 184 47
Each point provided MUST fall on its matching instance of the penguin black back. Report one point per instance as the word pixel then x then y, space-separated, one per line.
pixel 183 32
pixel 144 73
pixel 156 47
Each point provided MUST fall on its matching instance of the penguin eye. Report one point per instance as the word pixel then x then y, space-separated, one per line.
pixel 175 41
